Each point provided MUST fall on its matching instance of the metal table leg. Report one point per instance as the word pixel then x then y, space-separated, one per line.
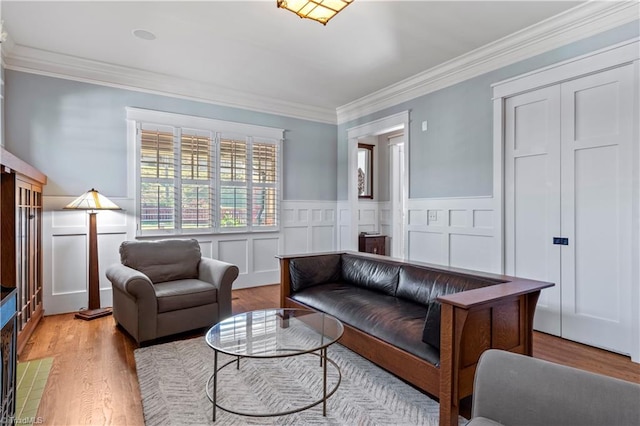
pixel 215 382
pixel 324 382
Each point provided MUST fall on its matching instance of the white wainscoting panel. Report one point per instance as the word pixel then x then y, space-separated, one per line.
pixel 385 223
pixel 264 254
pixel 456 232
pixel 306 226
pixel 295 239
pixel 427 247
pixel 206 248
pixel 65 244
pixel 70 271
pixel 344 238
pixel 459 218
pixel 471 252
pixel 310 226
pixel 344 227
pixel 322 238
pixel 235 251
pixel 483 219
pixel 370 216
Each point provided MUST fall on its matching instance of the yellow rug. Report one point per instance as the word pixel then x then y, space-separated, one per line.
pixel 31 380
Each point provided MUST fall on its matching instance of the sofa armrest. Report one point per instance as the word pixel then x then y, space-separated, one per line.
pixel 493 293
pixel 499 316
pixel 222 275
pixel 515 389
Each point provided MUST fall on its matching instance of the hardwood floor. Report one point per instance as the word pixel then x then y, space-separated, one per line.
pixel 93 379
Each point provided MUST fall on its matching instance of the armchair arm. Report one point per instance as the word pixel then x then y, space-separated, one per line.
pixel 222 275
pixel 139 316
pixel 130 281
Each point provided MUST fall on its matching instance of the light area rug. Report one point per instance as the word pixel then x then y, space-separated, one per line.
pixel 173 376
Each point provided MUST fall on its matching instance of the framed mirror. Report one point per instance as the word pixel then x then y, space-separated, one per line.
pixel 365 171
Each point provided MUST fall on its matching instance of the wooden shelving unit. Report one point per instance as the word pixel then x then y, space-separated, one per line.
pixel 21 239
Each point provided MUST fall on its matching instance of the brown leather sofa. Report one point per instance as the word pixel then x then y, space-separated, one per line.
pixel 166 287
pixel 426 324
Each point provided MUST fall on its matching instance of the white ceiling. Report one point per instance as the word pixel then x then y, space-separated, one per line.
pixel 256 49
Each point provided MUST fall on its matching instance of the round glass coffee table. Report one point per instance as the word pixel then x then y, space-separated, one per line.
pixel 273 333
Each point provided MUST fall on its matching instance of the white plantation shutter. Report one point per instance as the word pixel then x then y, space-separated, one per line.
pixel 249 183
pixel 199 175
pixel 265 173
pixel 157 178
pixel 233 183
pixel 197 172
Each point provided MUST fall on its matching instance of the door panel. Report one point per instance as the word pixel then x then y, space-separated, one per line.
pixel 532 196
pixel 596 184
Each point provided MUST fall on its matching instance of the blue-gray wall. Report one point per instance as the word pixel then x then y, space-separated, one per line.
pixel 454 157
pixel 75 133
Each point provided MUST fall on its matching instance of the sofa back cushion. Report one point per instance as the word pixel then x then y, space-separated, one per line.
pixel 373 274
pixel 423 285
pixel 164 260
pixel 314 270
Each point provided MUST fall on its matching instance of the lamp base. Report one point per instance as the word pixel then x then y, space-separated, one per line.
pixel 91 314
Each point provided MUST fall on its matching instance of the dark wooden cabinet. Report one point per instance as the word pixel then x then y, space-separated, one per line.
pixel 8 339
pixel 20 268
pixel 375 244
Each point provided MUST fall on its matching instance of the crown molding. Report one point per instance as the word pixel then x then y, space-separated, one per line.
pixel 577 23
pixel 36 61
pixel 572 25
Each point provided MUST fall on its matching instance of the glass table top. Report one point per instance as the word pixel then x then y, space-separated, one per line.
pixel 274 333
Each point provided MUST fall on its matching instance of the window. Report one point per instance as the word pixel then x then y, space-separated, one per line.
pixel 205 178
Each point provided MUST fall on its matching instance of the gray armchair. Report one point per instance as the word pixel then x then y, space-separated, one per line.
pixel 512 389
pixel 166 287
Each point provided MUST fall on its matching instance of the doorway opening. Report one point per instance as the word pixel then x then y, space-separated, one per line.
pixel 385 211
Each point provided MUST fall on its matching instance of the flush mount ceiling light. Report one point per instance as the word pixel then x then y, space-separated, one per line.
pixel 318 10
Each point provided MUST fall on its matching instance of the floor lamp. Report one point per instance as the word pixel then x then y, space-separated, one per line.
pixel 92 201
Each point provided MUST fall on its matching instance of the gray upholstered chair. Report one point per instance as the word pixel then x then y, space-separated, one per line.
pixel 166 287
pixel 512 389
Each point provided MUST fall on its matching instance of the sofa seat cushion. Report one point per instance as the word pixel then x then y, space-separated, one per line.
pixel 396 321
pixel 184 294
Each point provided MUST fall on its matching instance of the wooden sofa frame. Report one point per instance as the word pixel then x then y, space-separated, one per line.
pixel 495 317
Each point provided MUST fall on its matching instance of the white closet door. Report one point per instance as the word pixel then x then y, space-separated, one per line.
pixel 596 183
pixel 532 196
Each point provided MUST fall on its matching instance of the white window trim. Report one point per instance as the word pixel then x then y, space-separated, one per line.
pixel 181 120
pixel 217 127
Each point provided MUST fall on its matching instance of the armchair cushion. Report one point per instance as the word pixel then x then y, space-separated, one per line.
pixel 162 261
pixel 184 294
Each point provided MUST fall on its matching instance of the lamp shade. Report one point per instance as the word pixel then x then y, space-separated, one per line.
pixel 318 10
pixel 92 200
